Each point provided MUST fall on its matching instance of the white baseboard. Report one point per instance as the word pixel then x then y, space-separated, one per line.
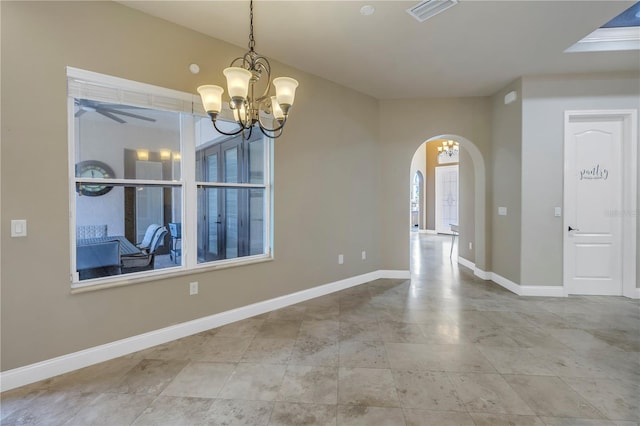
pixel 528 290
pixel 508 284
pixel 485 275
pixel 431 232
pixel 467 263
pixel 21 376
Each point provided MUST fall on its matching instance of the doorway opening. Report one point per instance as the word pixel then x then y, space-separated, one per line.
pixel 470 203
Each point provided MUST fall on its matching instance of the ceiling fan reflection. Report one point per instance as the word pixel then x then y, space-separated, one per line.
pixel 111 111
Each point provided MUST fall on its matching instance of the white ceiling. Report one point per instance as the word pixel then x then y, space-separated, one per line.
pixel 473 49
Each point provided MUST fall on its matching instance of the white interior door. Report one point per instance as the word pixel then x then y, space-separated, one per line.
pixel 446 198
pixel 593 194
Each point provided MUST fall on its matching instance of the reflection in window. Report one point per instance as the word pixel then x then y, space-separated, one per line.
pixel 120 150
pixel 231 198
pixel 138 209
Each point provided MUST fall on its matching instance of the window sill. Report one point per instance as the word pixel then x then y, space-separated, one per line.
pixel 110 282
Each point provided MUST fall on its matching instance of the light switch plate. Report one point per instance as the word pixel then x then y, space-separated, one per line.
pixel 557 212
pixel 502 211
pixel 19 228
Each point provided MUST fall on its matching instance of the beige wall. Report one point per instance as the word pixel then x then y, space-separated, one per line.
pixel 467 210
pixel 545 99
pixel 325 181
pixel 506 175
pixel 432 163
pixel 404 126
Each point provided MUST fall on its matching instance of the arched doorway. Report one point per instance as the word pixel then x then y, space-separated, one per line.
pixel 478 230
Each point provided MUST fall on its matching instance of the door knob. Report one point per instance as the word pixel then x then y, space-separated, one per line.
pixel 572 229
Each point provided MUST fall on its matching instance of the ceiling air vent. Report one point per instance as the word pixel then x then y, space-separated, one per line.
pixel 427 9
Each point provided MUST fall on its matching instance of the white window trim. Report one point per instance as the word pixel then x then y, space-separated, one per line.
pixel 100 87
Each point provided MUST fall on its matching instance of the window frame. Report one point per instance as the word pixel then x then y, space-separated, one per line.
pixel 104 88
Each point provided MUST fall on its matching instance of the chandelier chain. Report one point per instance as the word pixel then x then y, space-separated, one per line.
pixel 252 41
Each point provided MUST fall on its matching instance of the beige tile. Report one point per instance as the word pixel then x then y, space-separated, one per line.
pixel 308 384
pixel 515 361
pixel 17 399
pixel 357 415
pixel 229 412
pixel 366 330
pixel 224 349
pixel 443 333
pixel 367 387
pixel 200 380
pixel 569 421
pixel 416 356
pixel 437 418
pixel 112 409
pixel 550 396
pixel 254 382
pixel 172 410
pixel 401 332
pixel 315 352
pixel 488 393
pixel 294 414
pixel 616 399
pixel 492 336
pixel 150 376
pixel 269 351
pixel 49 408
pixel 363 354
pixel 279 329
pixel 326 330
pixel 491 419
pixel 427 390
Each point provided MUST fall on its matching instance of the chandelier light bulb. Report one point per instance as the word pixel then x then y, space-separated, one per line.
pixel 278 114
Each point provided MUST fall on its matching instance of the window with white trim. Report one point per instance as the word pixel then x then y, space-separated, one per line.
pixel 154 189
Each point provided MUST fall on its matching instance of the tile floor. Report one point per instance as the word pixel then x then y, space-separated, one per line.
pixel 443 348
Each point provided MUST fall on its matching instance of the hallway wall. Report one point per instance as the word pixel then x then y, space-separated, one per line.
pixel 545 99
pixel 325 188
pixel 404 126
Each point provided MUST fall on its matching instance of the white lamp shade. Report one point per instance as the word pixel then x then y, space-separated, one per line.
pixel 211 97
pixel 285 90
pixel 237 81
pixel 278 114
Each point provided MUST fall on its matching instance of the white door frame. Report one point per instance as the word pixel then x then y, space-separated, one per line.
pixel 629 192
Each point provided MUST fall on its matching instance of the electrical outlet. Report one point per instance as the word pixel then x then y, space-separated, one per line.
pixel 193 288
pixel 340 259
pixel 364 255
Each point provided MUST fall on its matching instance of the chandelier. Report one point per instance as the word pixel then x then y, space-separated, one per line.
pixel 449 148
pixel 250 104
